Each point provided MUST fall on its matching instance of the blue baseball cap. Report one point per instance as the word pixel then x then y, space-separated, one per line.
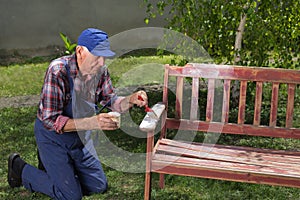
pixel 96 41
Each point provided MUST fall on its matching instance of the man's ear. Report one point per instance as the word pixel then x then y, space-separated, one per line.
pixel 79 52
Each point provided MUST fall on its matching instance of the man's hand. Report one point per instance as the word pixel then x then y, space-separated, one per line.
pixel 139 98
pixel 105 122
pixel 102 121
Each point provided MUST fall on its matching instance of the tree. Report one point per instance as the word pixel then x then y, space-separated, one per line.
pixel 245 32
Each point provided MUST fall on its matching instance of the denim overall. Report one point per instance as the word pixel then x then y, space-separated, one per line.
pixel 72 168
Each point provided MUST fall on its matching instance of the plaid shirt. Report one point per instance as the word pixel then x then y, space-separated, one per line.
pixel 56 94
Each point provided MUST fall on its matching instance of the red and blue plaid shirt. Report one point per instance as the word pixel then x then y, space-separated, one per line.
pixel 56 94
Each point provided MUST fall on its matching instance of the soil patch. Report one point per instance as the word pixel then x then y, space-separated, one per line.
pixel 19 101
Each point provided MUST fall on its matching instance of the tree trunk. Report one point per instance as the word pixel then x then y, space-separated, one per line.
pixel 237 47
pixel 239 38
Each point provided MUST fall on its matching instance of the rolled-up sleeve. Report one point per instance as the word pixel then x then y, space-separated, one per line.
pixel 52 99
pixel 116 105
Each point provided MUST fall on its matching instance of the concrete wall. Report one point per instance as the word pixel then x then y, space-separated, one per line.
pixel 36 24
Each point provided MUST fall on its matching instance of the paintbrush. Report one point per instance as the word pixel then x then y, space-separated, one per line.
pixel 148 110
pixel 107 104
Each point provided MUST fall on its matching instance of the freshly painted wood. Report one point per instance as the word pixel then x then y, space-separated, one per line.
pixel 149 152
pixel 222 174
pixel 232 72
pixel 274 105
pixel 230 128
pixel 242 102
pixel 277 162
pixel 194 100
pixel 258 103
pixel 290 106
pixel 226 101
pixel 227 149
pixel 225 162
pixel 179 96
pixel 210 100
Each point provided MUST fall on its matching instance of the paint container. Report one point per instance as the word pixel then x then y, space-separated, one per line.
pixel 116 117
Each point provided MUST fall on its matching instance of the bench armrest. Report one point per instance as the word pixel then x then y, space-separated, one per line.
pixel 148 123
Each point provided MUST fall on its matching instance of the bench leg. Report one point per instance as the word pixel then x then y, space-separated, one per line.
pixel 161 181
pixel 147 190
pixel 150 143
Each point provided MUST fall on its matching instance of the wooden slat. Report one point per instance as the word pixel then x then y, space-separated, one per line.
pixel 179 95
pixel 242 102
pixel 258 103
pixel 222 174
pixel 210 100
pixel 194 100
pixel 165 101
pixel 284 167
pixel 246 156
pixel 290 106
pixel 224 162
pixel 229 149
pixel 226 100
pixel 166 85
pixel 274 105
pixel 228 166
pixel 231 72
pixel 243 129
pixel 149 150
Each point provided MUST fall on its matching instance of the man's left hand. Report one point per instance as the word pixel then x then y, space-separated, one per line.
pixel 139 98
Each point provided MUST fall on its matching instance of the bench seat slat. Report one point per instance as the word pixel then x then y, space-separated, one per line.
pixel 224 166
pixel 213 160
pixel 197 168
pixel 224 154
pixel 226 149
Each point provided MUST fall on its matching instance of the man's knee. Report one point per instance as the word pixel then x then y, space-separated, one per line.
pixel 103 188
pixel 67 193
pixel 97 188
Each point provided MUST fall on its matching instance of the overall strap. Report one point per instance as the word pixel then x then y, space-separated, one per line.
pixel 68 106
pixel 69 77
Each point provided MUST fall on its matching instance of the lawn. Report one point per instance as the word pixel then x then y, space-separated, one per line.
pixel 27 79
pixel 16 135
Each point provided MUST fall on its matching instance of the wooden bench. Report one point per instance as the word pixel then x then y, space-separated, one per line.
pixel 225 162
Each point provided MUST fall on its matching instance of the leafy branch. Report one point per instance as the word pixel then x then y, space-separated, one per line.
pixel 69 46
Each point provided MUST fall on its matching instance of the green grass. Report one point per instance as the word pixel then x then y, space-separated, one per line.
pixel 18 80
pixel 16 135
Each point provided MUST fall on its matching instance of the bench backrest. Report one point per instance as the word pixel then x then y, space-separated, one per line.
pixel 225 76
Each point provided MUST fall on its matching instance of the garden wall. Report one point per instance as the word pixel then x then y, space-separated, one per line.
pixel 33 27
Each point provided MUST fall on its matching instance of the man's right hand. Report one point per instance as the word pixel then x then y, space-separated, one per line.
pixel 102 121
pixel 105 122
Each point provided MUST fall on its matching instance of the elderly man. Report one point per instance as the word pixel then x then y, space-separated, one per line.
pixel 72 88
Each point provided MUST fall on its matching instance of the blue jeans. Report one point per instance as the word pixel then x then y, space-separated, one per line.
pixel 72 169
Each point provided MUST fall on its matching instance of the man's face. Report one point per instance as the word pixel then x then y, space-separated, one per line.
pixel 90 64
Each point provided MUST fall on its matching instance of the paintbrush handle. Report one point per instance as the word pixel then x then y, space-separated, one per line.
pixel 101 109
pixel 147 108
